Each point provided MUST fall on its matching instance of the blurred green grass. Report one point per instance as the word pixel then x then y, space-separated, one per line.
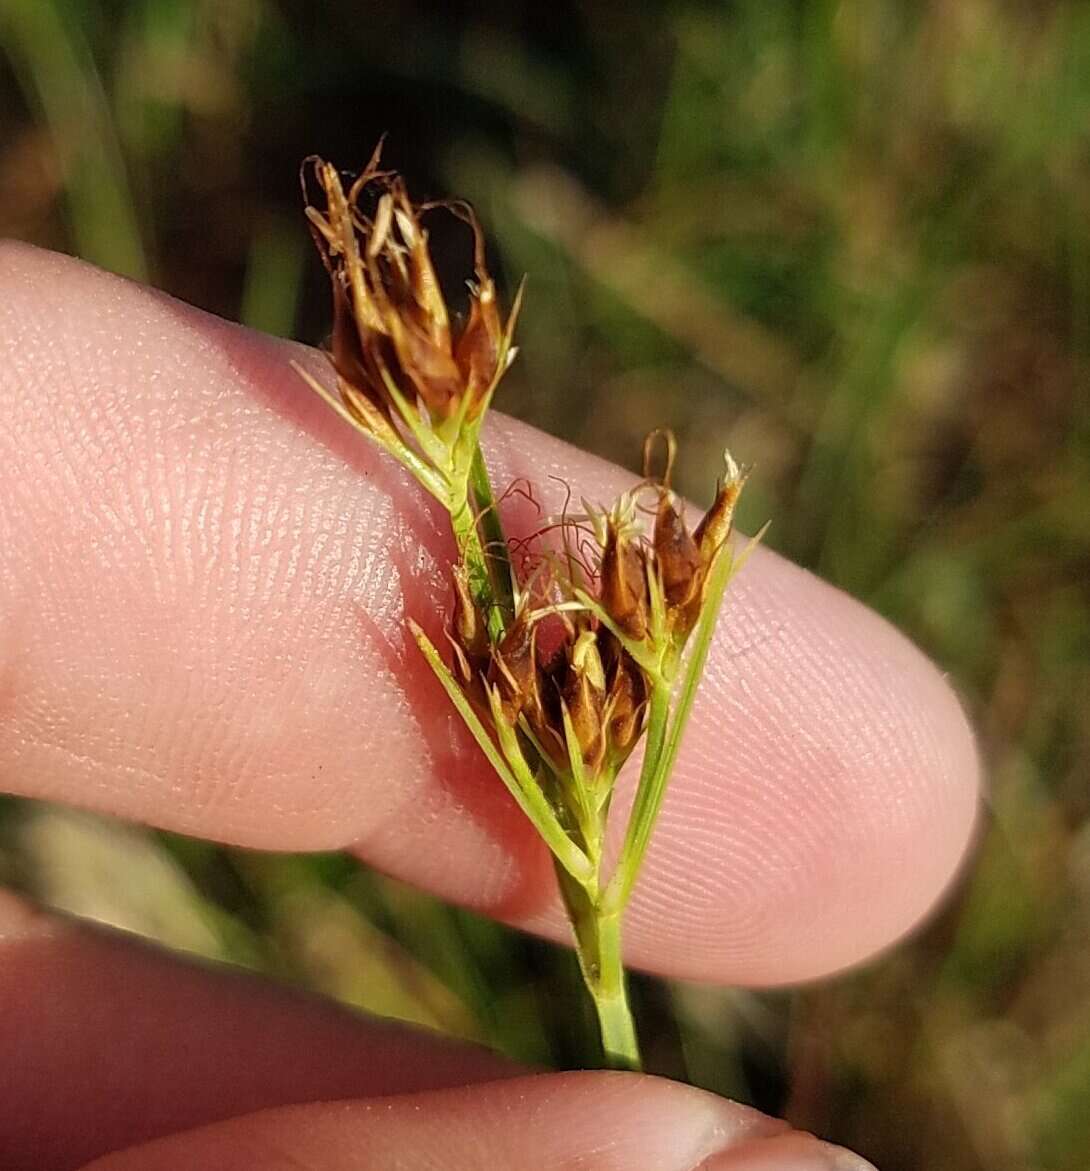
pixel 850 237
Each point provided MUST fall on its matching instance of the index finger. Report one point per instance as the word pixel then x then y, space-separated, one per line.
pixel 203 585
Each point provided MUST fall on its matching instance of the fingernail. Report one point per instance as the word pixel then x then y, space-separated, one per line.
pixel 785 1152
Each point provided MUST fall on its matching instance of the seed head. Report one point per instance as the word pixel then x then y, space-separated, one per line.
pixel 618 616
pixel 392 331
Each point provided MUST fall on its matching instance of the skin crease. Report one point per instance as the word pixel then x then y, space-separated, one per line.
pixel 203 586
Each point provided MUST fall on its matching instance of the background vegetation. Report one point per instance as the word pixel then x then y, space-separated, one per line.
pixel 851 236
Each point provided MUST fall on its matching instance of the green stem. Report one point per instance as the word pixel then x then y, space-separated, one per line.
pixel 650 790
pixel 482 545
pixel 610 995
pixel 497 555
pixel 598 946
pixel 463 523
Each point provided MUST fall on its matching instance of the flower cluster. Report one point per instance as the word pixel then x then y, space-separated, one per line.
pixel 624 612
pixel 407 373
pixel 560 670
pixel 566 690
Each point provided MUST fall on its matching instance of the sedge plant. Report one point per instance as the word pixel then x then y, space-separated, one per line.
pixel 560 661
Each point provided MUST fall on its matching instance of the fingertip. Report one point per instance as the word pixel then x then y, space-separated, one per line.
pixel 613 1122
pixel 830 775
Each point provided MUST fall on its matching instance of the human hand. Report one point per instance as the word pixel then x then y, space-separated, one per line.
pixel 204 578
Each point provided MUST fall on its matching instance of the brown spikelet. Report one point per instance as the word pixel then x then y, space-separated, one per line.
pixel 624 591
pixel 715 525
pixel 480 345
pixel 625 705
pixel 514 670
pixel 584 694
pixel 390 320
pixel 676 552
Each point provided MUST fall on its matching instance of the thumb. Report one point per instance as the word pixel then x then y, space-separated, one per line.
pixel 552 1122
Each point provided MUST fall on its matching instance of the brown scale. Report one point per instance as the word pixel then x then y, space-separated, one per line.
pixel 584 693
pixel 626 703
pixel 676 554
pixel 468 637
pixel 514 671
pixel 623 583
